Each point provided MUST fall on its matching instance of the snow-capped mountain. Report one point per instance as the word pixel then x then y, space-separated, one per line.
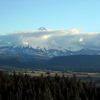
pixel 42 28
pixel 34 49
pixel 44 52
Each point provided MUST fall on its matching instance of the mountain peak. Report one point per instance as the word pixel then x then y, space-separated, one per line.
pixel 42 28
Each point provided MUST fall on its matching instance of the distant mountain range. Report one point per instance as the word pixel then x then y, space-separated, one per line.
pixel 45 53
pixel 50 49
pixel 28 57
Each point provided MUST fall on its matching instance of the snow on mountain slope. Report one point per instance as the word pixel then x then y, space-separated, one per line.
pixel 44 52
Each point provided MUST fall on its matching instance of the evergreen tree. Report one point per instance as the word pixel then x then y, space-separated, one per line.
pixel 47 95
pixel 0 97
pixel 25 87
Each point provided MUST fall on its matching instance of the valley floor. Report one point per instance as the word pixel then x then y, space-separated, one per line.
pixel 85 76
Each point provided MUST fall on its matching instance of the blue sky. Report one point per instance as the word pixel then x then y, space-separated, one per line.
pixel 27 15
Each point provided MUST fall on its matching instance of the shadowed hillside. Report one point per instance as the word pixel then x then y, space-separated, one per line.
pixel 90 63
pixel 76 61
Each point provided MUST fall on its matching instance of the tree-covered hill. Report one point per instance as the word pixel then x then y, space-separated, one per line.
pixel 89 63
pixel 76 61
pixel 85 63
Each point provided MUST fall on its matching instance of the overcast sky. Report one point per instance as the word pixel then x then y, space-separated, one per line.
pixel 28 15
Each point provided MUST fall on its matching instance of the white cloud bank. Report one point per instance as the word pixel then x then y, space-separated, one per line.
pixel 70 39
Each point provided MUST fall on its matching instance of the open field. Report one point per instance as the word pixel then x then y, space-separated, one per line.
pixel 85 76
pixel 59 73
pixel 95 77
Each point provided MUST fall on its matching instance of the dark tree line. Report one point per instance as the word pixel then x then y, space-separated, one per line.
pixel 25 87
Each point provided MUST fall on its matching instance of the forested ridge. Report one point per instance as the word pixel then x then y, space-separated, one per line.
pixel 26 87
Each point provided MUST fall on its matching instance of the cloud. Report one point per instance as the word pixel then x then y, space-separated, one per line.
pixel 46 36
pixel 81 39
pixel 26 43
pixel 57 39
